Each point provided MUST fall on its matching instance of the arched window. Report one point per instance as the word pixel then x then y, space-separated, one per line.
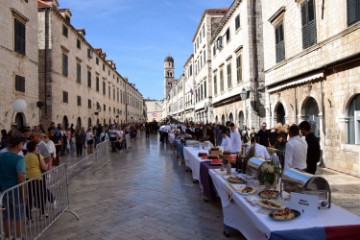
pixel 354 120
pixel 223 119
pixel 231 117
pixel 78 123
pixel 65 122
pixel 280 113
pixel 310 110
pixel 241 119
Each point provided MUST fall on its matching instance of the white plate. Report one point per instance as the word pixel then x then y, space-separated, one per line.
pixel 279 204
pixel 239 190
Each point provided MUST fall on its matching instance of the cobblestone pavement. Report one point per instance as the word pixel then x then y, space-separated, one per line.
pixel 143 193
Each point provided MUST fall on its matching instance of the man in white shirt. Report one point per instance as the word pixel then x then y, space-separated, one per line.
pixel 295 150
pixel 260 151
pixel 225 142
pixel 235 139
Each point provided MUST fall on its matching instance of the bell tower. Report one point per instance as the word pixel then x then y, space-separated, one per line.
pixel 169 75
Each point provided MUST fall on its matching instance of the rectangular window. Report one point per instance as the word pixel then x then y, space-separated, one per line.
pixel 353 11
pixel 78 72
pixel 65 61
pixel 191 70
pixel 204 55
pixel 103 67
pixel 19 83
pixel 97 84
pixel 238 69
pixel 279 42
pixel 205 90
pixel 78 100
pixel 113 93
pixel 89 103
pixel 214 50
pixel 78 43
pixel 118 96
pixel 229 80
pixel 89 79
pixel 201 92
pixel 97 61
pixel 308 22
pixel 215 84
pixel 109 92
pixel 221 80
pixel 65 97
pixel 104 108
pixel 104 88
pixel 227 35
pixel 20 37
pixel 65 31
pixel 237 22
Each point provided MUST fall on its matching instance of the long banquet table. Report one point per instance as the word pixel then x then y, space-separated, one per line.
pixel 192 160
pixel 243 215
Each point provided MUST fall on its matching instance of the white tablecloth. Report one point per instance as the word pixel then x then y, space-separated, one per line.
pixel 241 215
pixel 193 161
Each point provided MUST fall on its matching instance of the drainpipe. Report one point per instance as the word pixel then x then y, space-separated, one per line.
pixel 47 11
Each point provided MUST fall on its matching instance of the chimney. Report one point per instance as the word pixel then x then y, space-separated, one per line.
pixel 53 3
pixel 81 31
pixel 66 14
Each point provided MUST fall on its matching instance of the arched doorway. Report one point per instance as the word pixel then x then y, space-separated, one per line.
pixel 97 121
pixel 231 117
pixel 223 119
pixel 241 119
pixel 65 122
pixel 310 111
pixel 78 123
pixel 216 120
pixel 354 120
pixel 20 120
pixel 89 123
pixel 280 113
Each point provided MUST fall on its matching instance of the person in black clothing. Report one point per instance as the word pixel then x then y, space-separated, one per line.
pixel 263 136
pixel 313 151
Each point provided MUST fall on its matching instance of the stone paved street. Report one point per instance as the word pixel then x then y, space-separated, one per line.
pixel 144 193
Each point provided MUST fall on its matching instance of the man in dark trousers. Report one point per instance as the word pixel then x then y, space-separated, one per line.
pixel 263 136
pixel 313 152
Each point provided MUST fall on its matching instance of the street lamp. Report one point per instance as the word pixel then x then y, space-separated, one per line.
pixel 243 94
pixel 19 105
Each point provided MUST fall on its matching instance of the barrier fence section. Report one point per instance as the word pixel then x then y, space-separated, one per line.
pixel 103 151
pixel 30 208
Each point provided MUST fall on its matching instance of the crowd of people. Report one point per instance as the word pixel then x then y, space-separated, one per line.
pixel 26 153
pixel 292 146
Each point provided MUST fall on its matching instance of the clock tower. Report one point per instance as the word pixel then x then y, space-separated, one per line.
pixel 168 75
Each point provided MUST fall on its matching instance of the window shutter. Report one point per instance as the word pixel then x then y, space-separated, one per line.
pixel 353 11
pixel 304 26
pixel 311 22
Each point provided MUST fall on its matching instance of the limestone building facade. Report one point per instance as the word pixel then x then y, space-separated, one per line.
pixel 237 66
pixel 189 95
pixel 312 72
pixel 154 110
pixel 78 84
pixel 208 24
pixel 19 62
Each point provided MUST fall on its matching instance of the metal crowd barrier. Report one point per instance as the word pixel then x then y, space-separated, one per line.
pixel 30 208
pixel 102 154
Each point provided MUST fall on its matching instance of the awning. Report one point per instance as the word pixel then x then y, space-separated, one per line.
pixel 296 82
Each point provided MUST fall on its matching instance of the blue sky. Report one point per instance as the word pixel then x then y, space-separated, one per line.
pixel 139 34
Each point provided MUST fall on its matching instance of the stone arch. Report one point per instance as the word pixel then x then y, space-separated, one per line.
pixel 89 122
pixel 348 98
pixel 241 119
pixel 223 119
pixel 216 119
pixel 279 113
pixel 78 123
pixel 20 120
pixel 353 117
pixel 310 112
pixel 65 122
pixel 231 117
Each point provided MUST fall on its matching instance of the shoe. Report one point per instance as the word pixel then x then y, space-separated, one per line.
pixel 54 204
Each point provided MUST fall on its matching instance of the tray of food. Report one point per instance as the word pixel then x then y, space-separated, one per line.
pixel 269 194
pixel 246 190
pixel 285 214
pixel 235 179
pixel 270 204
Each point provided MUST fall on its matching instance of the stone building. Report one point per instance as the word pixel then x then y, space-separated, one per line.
pixel 154 110
pixel 237 65
pixel 312 72
pixel 189 100
pixel 19 62
pixel 208 24
pixel 176 99
pixel 77 83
